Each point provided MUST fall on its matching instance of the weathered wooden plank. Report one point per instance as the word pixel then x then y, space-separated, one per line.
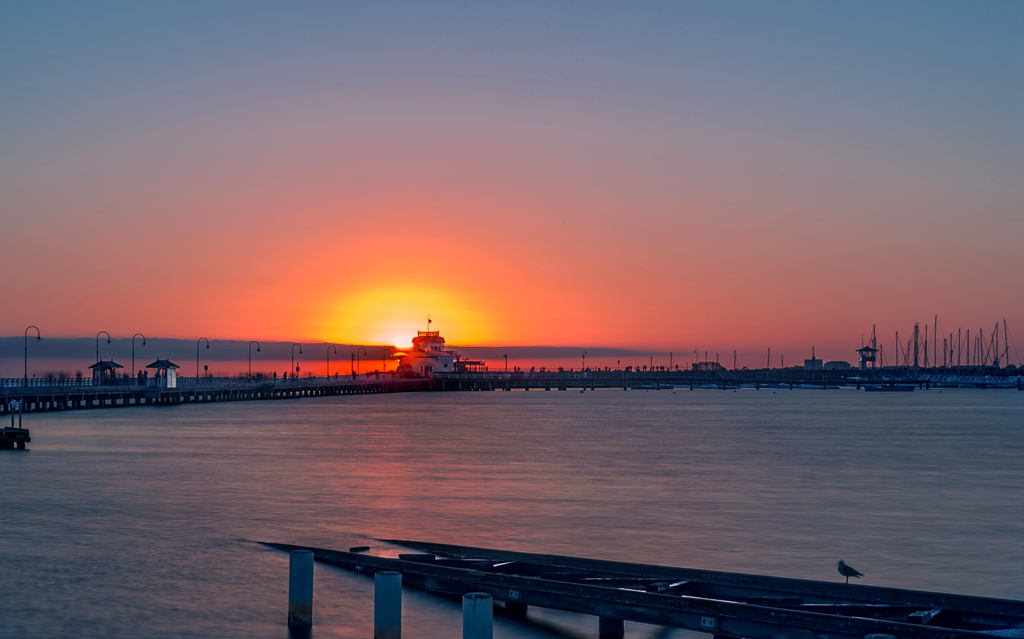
pixel 740 586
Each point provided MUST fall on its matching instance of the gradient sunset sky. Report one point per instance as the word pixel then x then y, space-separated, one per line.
pixel 664 175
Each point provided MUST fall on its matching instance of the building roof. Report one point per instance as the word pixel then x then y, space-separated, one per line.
pixel 418 354
pixel 163 363
pixel 106 366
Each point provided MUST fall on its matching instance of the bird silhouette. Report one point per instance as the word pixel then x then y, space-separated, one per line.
pixel 848 571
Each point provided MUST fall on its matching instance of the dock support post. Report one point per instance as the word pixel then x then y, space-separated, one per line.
pixel 608 628
pixel 477 616
pixel 387 605
pixel 300 589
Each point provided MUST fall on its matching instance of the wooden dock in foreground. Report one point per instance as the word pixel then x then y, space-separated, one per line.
pixel 725 605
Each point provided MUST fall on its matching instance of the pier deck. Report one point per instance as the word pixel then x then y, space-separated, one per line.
pixel 59 397
pixel 717 603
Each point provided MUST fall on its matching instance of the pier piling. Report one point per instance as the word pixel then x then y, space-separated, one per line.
pixel 300 589
pixel 608 628
pixel 387 605
pixel 477 616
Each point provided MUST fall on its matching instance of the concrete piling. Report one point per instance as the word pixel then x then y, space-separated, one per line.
pixel 387 605
pixel 477 616
pixel 300 589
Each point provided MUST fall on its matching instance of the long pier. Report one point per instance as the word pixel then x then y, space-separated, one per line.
pixel 692 380
pixel 60 395
pixel 74 394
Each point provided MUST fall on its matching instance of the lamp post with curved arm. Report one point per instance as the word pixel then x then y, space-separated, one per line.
pixel 98 343
pixel 38 337
pixel 357 358
pixel 133 350
pixel 201 339
pixel 250 355
pixel 329 358
pixel 293 357
pixel 383 359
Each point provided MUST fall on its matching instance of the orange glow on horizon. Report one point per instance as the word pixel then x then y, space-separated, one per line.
pixel 393 314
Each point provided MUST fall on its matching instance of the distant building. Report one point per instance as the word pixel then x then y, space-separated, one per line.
pixel 708 366
pixel 866 356
pixel 104 372
pixel 838 365
pixel 166 375
pixel 813 364
pixel 428 356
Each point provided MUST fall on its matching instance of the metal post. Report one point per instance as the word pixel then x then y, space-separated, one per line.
pixel 38 337
pixel 300 589
pixel 329 359
pixel 293 358
pixel 98 344
pixel 477 616
pixel 197 355
pixel 133 350
pixel 387 605
pixel 251 356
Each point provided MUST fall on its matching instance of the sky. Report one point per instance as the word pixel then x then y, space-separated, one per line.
pixel 647 175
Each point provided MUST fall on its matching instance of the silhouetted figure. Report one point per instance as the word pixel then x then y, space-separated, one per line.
pixel 848 571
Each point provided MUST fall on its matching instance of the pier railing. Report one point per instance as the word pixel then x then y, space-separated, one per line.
pixel 34 382
pixel 225 381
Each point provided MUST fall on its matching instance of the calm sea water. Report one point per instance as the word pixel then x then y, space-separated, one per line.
pixel 141 522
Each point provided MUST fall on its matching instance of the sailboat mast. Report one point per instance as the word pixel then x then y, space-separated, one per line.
pixel 1006 342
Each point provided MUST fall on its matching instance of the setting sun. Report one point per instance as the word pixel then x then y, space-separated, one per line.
pixel 392 315
pixel 402 341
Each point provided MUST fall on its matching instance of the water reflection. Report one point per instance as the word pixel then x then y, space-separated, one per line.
pixel 130 518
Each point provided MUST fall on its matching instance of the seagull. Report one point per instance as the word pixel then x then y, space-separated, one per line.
pixel 848 571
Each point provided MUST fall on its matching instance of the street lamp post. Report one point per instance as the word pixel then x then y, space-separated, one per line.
pixel 250 355
pixel 98 344
pixel 584 362
pixel 383 359
pixel 197 354
pixel 352 363
pixel 38 337
pixel 506 361
pixel 357 358
pixel 293 357
pixel 329 358
pixel 133 350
